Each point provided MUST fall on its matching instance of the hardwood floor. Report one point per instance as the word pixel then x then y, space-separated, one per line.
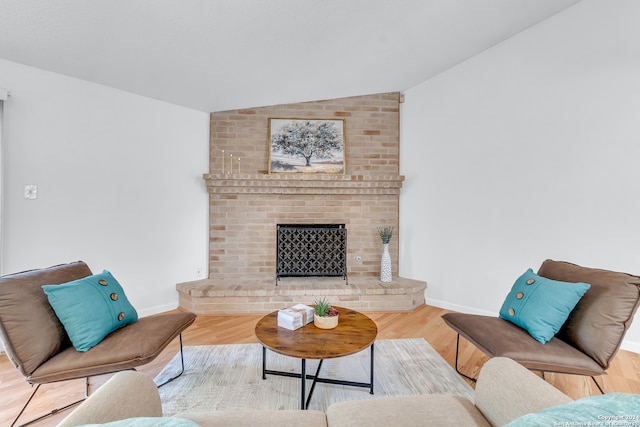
pixel 424 322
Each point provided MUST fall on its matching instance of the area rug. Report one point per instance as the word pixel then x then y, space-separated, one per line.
pixel 229 377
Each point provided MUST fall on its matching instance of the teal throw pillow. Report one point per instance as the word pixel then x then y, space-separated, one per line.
pixel 541 305
pixel 613 409
pixel 148 422
pixel 90 308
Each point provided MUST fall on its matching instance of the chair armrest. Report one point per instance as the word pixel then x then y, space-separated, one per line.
pixel 506 390
pixel 127 394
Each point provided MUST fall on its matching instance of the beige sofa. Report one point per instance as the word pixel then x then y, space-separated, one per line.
pixel 504 391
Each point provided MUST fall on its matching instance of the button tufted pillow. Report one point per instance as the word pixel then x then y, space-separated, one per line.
pixel 90 308
pixel 541 305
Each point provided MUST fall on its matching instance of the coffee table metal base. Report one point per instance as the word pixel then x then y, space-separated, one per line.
pixel 304 399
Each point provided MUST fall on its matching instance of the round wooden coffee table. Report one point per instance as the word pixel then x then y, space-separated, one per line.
pixel 355 332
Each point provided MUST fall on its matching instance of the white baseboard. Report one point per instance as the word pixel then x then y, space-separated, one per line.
pixel 627 345
pixel 157 309
pixel 457 307
pixel 631 346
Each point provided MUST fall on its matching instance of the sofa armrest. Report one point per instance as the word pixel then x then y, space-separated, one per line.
pixel 127 394
pixel 506 390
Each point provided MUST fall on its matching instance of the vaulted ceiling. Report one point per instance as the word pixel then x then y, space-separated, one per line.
pixel 214 55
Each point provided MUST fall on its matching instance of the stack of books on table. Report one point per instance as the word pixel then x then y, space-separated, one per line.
pixel 295 317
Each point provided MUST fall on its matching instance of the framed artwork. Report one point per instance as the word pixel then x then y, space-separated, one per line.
pixel 306 146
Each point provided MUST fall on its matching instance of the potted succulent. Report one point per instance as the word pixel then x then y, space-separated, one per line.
pixel 385 262
pixel 324 316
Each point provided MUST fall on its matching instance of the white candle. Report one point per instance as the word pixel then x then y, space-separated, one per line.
pixel 231 166
pixel 222 162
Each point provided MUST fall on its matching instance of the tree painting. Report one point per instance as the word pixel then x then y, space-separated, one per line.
pixel 306 146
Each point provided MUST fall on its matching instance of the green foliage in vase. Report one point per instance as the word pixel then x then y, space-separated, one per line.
pixel 385 234
pixel 323 308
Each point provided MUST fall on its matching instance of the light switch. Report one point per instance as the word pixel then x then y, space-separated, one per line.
pixel 31 192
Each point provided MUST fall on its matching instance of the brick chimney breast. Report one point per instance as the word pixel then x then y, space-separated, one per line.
pixel 246 204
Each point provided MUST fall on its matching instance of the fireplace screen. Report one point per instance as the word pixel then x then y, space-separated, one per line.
pixel 311 250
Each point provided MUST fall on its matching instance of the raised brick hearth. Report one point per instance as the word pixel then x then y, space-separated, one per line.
pixel 247 204
pixel 217 297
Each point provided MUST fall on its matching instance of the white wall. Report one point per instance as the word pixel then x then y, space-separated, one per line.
pixel 119 181
pixel 525 152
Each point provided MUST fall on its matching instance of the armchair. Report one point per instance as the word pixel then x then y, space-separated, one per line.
pixel 587 341
pixel 38 346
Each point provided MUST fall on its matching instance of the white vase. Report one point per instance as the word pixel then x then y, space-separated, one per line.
pixel 385 264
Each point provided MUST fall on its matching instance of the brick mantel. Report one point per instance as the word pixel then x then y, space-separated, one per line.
pixel 303 184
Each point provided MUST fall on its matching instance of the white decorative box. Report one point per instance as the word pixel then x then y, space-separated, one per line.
pixel 295 317
pixel 306 309
pixel 289 319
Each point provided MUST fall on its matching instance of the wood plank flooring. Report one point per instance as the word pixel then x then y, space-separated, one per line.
pixel 424 322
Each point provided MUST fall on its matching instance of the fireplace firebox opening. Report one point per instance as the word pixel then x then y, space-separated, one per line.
pixel 305 250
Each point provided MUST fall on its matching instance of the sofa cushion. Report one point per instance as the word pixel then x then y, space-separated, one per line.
pixel 276 418
pixel 148 422
pixel 30 329
pixel 127 394
pixel 540 305
pixel 91 308
pixel 602 316
pixel 406 411
pixel 614 409
pixel 506 390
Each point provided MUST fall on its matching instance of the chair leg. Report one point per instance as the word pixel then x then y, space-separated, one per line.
pixel 86 394
pixel 181 363
pixel 597 385
pixel 592 377
pixel 53 411
pixel 457 369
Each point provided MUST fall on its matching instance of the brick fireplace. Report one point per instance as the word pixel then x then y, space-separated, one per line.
pixel 247 203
